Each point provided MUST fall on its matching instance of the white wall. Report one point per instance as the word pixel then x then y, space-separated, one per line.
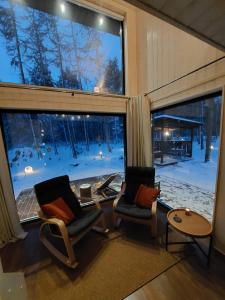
pixel 166 53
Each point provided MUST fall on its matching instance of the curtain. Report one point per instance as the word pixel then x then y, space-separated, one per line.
pixel 10 227
pixel 139 151
pixel 7 233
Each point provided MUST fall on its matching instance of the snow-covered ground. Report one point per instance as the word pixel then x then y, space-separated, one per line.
pixel 88 164
pixel 191 183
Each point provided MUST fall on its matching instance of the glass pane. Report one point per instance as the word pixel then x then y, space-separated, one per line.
pixel 41 146
pixel 186 141
pixel 60 44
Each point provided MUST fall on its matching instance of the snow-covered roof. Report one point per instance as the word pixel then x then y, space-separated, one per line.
pixel 178 120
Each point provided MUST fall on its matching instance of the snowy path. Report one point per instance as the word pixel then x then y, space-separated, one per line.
pixel 176 193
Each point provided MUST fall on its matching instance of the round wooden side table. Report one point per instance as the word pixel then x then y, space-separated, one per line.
pixel 191 224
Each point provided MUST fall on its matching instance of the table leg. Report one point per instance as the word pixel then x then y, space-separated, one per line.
pixel 167 229
pixel 209 250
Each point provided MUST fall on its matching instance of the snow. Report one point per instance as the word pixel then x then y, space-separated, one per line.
pixel 176 118
pixel 191 183
pixel 88 164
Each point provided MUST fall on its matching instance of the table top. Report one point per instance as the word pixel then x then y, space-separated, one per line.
pixel 194 225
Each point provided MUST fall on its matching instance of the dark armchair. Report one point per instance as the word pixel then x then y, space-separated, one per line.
pixel 85 220
pixel 124 206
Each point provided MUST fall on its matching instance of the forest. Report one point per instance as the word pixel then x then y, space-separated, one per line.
pixel 44 49
pixel 43 145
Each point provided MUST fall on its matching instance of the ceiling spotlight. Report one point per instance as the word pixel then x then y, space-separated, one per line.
pixel 78 117
pixel 101 21
pixel 62 7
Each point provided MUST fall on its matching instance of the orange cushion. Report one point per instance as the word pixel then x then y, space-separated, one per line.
pixel 59 209
pixel 146 196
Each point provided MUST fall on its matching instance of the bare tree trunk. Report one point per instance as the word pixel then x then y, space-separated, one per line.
pixel 86 134
pixel 107 135
pixel 78 70
pixel 53 137
pixel 116 135
pixel 36 146
pixel 17 44
pixel 74 153
pixel 201 127
pixel 209 129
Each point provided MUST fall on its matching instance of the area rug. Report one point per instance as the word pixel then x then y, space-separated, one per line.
pixel 120 267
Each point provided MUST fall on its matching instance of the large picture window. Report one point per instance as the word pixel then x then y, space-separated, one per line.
pixel 186 140
pixel 40 146
pixel 60 44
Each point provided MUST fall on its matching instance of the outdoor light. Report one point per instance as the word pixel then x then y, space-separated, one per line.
pixel 63 8
pixel 42 134
pixel 42 130
pixel 28 170
pixel 166 133
pixel 211 147
pixel 100 154
pixel 101 21
pixel 96 89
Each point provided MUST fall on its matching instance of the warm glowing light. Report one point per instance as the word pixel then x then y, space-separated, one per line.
pixel 166 133
pixel 63 7
pixel 96 89
pixel 28 170
pixel 101 21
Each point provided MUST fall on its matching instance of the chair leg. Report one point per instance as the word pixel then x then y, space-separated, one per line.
pixel 102 228
pixel 154 227
pixel 69 260
pixel 117 221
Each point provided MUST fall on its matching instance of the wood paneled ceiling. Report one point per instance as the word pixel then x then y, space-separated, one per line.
pixel 204 19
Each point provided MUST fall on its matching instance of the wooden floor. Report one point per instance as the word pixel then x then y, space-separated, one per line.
pixel 188 279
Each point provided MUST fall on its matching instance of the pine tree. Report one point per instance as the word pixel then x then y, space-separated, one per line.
pixel 36 51
pixel 113 78
pixel 8 29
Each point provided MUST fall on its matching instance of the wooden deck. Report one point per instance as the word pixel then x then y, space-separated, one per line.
pixel 27 204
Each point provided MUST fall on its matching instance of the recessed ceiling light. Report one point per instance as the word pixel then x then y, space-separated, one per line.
pixel 63 7
pixel 101 21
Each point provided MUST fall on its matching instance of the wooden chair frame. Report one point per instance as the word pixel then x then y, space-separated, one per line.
pixel 152 221
pixel 70 259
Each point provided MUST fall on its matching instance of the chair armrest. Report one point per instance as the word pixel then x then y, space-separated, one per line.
pixel 51 220
pixel 54 221
pixel 154 208
pixel 121 193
